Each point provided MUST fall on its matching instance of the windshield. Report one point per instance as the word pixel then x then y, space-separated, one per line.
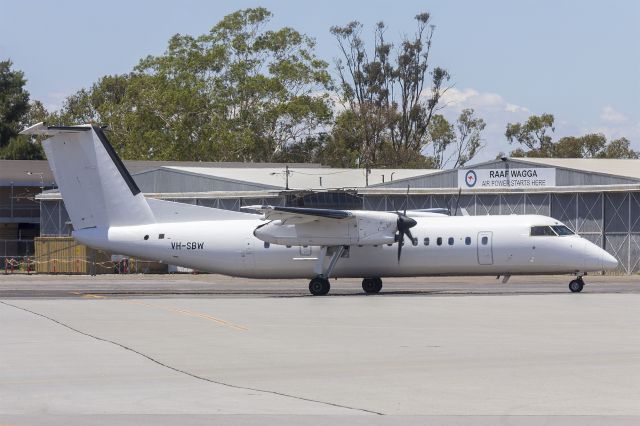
pixel 562 230
pixel 542 231
pixel 550 231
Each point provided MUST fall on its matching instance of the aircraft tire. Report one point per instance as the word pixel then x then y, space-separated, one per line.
pixel 372 285
pixel 319 286
pixel 576 285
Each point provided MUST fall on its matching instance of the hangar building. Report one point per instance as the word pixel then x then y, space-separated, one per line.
pixel 599 198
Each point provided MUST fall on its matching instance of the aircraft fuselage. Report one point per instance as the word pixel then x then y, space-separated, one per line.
pixel 446 245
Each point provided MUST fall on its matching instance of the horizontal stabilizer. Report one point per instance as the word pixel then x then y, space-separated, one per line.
pixel 43 130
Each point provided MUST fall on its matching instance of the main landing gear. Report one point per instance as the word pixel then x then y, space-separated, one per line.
pixel 372 285
pixel 576 285
pixel 319 285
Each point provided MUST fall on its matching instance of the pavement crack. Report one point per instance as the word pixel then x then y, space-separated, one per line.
pixel 184 372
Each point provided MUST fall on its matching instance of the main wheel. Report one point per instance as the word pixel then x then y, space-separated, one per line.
pixel 372 285
pixel 319 286
pixel 576 285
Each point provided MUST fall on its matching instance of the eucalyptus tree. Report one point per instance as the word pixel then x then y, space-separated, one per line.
pixel 387 91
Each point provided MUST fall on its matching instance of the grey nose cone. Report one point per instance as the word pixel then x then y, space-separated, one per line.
pixel 608 261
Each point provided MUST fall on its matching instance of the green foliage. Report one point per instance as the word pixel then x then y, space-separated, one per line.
pixel 618 148
pixel 441 134
pixel 238 93
pixel 21 148
pixel 16 112
pixel 532 134
pixel 455 144
pixel 14 102
pixel 385 92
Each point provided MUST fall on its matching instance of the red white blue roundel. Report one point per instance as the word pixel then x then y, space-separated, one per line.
pixel 470 178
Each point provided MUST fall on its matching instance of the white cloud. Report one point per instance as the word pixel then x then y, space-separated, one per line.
pixel 494 109
pixel 471 98
pixel 611 115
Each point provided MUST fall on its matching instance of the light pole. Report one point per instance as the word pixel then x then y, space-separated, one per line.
pixel 286 173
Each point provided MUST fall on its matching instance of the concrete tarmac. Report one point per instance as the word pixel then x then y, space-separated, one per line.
pixel 203 349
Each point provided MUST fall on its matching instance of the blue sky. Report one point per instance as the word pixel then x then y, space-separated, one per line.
pixel 579 60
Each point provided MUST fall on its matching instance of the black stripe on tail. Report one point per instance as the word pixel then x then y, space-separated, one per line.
pixel 116 160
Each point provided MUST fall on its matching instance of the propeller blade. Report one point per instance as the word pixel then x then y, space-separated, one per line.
pixel 404 224
pixel 408 234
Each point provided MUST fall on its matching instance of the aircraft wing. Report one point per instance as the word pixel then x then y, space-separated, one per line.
pixel 299 215
pixel 300 226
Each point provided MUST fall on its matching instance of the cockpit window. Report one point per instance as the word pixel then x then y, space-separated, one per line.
pixel 542 231
pixel 562 230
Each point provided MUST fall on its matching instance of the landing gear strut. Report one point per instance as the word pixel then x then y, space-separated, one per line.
pixel 576 285
pixel 319 285
pixel 372 285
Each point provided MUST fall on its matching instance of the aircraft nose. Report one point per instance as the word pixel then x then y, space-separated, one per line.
pixel 608 261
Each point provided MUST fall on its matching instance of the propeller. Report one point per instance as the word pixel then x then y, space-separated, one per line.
pixel 404 225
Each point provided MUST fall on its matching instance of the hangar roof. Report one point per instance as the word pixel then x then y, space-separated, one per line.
pixel 16 171
pixel 617 167
pixel 303 178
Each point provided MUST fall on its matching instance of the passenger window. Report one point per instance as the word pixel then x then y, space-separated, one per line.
pixel 450 241
pixel 426 241
pixel 485 241
pixel 467 241
pixel 439 241
pixel 542 231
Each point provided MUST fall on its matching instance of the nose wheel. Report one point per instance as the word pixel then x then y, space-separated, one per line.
pixel 576 285
pixel 372 285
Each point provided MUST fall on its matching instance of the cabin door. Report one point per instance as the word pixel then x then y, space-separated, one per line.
pixel 485 248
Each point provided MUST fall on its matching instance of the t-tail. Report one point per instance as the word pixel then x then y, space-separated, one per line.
pixel 97 189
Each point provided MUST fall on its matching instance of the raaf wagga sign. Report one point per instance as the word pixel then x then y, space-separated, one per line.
pixel 522 177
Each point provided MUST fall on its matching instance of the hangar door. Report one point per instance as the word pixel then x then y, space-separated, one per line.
pixel 485 251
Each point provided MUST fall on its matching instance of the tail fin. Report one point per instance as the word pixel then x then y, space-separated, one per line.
pixel 97 189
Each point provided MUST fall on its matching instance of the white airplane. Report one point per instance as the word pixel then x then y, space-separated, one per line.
pixel 109 212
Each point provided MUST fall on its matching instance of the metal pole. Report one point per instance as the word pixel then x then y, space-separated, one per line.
pixel 286 172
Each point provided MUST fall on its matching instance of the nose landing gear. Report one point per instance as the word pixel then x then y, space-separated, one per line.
pixel 576 285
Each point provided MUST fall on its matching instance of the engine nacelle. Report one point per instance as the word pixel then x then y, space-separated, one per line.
pixel 370 228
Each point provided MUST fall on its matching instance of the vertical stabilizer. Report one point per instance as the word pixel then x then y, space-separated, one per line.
pixel 97 189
